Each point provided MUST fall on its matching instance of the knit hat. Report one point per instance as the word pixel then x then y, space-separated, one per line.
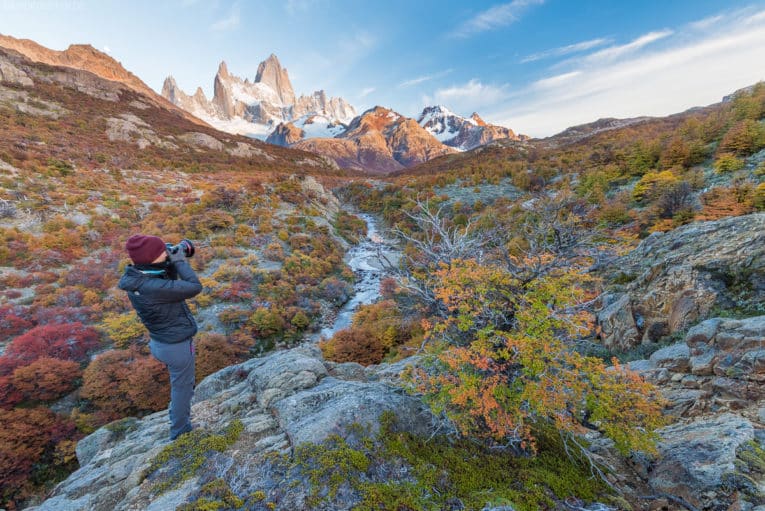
pixel 144 249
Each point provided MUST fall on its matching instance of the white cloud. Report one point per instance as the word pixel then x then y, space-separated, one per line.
pixel 613 52
pixel 422 79
pixel 705 23
pixel 498 16
pixel 107 49
pixel 367 91
pixel 566 50
pixel 230 22
pixel 469 97
pixel 696 68
pixel 555 81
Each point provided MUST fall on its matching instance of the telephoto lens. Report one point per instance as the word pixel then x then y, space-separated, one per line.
pixel 185 245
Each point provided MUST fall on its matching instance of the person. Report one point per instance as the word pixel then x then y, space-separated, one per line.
pixel 157 284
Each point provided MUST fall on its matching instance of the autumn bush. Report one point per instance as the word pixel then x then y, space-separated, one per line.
pixel 47 379
pixel 124 382
pixel 214 352
pixel 354 345
pixel 502 377
pixel 28 441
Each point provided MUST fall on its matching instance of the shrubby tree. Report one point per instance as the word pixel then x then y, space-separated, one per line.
pixel 499 320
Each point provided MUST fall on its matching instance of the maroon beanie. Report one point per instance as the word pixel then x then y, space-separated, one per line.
pixel 144 249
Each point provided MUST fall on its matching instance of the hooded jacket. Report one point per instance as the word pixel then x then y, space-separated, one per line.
pixel 160 302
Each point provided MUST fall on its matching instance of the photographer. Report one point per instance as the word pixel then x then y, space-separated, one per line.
pixel 158 283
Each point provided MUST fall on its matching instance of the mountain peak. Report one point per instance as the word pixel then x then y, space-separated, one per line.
pixel 477 119
pixel 223 69
pixel 460 132
pixel 271 73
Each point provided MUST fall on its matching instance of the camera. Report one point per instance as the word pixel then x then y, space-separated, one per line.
pixel 186 246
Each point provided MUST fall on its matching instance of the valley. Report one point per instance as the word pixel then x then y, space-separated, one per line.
pixel 397 313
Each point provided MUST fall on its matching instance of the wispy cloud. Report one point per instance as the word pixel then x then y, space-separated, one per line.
pixel 705 23
pixel 566 50
pixel 498 16
pixel 366 92
pixel 614 52
pixel 468 97
pixel 697 66
pixel 555 81
pixel 230 22
pixel 424 78
pixel 107 49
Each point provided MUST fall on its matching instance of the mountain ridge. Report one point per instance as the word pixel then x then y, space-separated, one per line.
pixel 255 108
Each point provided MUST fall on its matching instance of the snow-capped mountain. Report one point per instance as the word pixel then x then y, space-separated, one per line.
pixel 379 141
pixel 256 108
pixel 460 132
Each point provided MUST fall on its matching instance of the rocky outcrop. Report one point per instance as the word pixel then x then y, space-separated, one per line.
pixel 678 278
pixel 712 382
pixel 282 400
pixel 460 132
pixel 285 134
pixel 318 103
pixel 713 463
pixel 720 366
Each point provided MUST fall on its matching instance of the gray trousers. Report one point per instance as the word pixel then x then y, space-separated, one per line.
pixel 179 359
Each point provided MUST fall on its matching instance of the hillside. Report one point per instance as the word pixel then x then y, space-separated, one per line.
pixel 80 119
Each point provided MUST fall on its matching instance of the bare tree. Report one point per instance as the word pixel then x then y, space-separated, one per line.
pixel 436 240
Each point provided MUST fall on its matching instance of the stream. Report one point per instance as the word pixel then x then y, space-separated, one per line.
pixel 364 260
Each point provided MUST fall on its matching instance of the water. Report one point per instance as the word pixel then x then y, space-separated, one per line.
pixel 364 259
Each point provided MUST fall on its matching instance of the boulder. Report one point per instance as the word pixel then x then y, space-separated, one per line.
pixel 701 462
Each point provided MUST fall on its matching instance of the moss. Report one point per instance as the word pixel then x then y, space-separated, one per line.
pixel 182 458
pixel 213 496
pixel 397 470
pixel 122 427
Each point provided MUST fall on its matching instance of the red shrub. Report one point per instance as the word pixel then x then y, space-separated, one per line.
pixel 70 341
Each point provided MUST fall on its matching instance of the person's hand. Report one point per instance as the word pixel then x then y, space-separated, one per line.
pixel 177 256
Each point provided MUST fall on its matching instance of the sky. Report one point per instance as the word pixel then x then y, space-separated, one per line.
pixel 535 66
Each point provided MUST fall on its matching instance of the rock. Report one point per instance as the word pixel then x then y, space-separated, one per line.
pixel 282 400
pixel 12 74
pixel 674 358
pixel 285 134
pixel 333 405
pixel 683 275
pixel 617 325
pixel 202 140
pixel 699 457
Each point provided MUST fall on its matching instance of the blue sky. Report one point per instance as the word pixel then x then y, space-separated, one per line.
pixel 536 66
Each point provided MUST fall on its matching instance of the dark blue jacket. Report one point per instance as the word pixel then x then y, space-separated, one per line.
pixel 160 302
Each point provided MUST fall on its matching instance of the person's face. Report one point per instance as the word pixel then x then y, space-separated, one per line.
pixel 162 258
